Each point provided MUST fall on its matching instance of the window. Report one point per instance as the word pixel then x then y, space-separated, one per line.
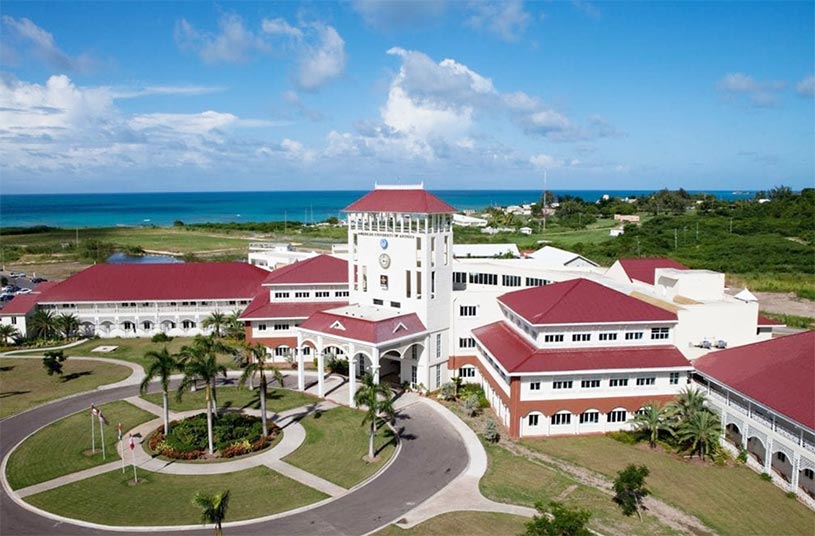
pixel 281 351
pixel 467 310
pixel 511 280
pixel 553 338
pixel 590 417
pixel 306 350
pixel 188 324
pixel 674 378
pixel 561 418
pixel 438 375
pixel 321 294
pixel 659 333
pixel 432 285
pixel 281 327
pixel 581 337
pixel 377 301
pixel 646 381
pixel 562 384
pixel 533 419
pixel 129 326
pixel 641 411
pixel 147 325
pixel 618 415
pixel 536 282
pixel 809 473
pixel 396 304
pixel 780 456
pixel 633 335
pixel 466 372
pixel 535 386
pixel 484 279
pixel 280 295
pixel 608 336
pixel 261 327
pixel 438 345
pixel 459 280
pixel 618 382
pixel 341 294
pixel 302 294
pixel 467 342
pixel 14 320
pixel 413 374
pixel 589 384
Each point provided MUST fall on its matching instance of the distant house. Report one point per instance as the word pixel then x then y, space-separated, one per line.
pixel 485 251
pixel 617 231
pixel 525 230
pixel 552 256
pixel 468 221
pixel 627 218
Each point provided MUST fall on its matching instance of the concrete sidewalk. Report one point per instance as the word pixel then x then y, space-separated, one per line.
pixel 67 479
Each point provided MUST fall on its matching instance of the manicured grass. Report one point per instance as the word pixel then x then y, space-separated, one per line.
pixel 336 444
pixel 25 384
pixel 731 500
pixel 517 480
pixel 63 447
pixel 133 350
pixel 277 400
pixel 162 499
pixel 462 523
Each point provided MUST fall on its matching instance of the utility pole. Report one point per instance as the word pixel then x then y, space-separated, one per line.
pixel 676 239
pixel 697 231
pixel 731 225
pixel 544 200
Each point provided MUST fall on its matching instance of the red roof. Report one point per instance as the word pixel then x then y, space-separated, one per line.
pixel 643 269
pixel 22 304
pixel 147 282
pixel 764 321
pixel 319 269
pixel 777 373
pixel 262 308
pixel 373 331
pixel 414 201
pixel 580 301
pixel 517 355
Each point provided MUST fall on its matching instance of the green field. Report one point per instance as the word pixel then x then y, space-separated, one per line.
pixel 336 444
pixel 25 384
pixel 462 524
pixel 555 235
pixel 277 400
pixel 133 350
pixel 64 447
pixel 731 500
pixel 162 499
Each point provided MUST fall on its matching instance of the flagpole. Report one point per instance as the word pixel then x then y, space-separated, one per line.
pixel 122 447
pixel 93 433
pixel 133 458
pixel 102 433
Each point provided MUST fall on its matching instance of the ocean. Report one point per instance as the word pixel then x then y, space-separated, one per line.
pixel 140 209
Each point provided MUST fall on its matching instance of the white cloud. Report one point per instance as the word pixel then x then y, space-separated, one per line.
pixel 740 87
pixel 545 161
pixel 233 43
pixel 279 26
pixel 806 87
pixel 505 19
pixel 387 15
pixel 42 45
pixel 323 62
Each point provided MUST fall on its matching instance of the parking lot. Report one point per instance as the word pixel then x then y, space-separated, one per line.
pixel 17 283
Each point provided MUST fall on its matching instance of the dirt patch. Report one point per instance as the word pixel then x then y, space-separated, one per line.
pixel 786 303
pixel 54 270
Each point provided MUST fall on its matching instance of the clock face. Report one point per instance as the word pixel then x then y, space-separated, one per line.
pixel 383 243
pixel 384 260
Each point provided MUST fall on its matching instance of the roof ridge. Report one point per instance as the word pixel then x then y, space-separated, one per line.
pixel 574 284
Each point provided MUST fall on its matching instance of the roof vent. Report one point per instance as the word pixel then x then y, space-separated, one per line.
pixel 399 326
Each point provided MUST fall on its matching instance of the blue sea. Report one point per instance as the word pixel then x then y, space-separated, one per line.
pixel 140 209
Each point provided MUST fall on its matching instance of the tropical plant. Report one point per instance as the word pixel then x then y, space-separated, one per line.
pixel 457 381
pixel 67 324
pixel 448 391
pixel 653 420
pixel 491 432
pixel 260 365
pixel 630 490
pixel 234 327
pixel 42 324
pixel 213 508
pixel 689 402
pixel 52 362
pixel 378 401
pixel 7 332
pixel 701 432
pixel 200 362
pixel 216 321
pixel 472 405
pixel 162 366
pixel 558 520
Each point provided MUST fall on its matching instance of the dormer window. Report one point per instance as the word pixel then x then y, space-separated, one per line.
pixel 338 325
pixel 399 326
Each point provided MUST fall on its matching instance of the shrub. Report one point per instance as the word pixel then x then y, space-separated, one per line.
pixel 161 337
pixel 625 436
pixel 472 405
pixel 791 495
pixel 338 366
pixel 472 389
pixel 766 476
pixel 448 391
pixel 491 433
pixel 742 457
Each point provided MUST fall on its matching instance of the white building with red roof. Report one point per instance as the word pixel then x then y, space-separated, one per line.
pixel 19 310
pixel 765 394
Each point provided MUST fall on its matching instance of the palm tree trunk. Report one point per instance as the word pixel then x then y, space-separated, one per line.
pixel 371 439
pixel 209 421
pixel 263 403
pixel 166 398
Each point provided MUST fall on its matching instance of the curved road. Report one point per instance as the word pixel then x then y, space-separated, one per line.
pixel 432 455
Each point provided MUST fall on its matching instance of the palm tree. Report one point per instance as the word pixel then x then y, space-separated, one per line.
pixel 213 508
pixel 378 400
pixel 234 326
pixel 162 367
pixel 7 331
pixel 702 431
pixel 259 365
pixel 42 323
pixel 216 320
pixel 653 420
pixel 68 324
pixel 689 402
pixel 200 362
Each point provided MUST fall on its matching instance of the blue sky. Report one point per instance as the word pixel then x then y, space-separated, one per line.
pixel 264 96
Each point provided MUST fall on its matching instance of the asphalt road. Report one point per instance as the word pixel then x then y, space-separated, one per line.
pixel 432 455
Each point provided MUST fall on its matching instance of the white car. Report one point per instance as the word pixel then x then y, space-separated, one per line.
pixel 17 274
pixel 24 291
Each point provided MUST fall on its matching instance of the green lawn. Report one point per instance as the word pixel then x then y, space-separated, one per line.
pixel 517 480
pixel 162 499
pixel 336 444
pixel 25 384
pixel 277 400
pixel 462 523
pixel 133 350
pixel 731 500
pixel 63 447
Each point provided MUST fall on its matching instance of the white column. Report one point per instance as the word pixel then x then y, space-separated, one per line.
pixel 375 365
pixel 768 458
pixel 352 375
pixel 796 468
pixel 301 373
pixel 320 368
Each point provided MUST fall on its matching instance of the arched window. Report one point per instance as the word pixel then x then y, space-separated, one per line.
pixel 617 415
pixel 128 326
pixel 561 418
pixel 590 416
pixel 147 325
pixel 188 324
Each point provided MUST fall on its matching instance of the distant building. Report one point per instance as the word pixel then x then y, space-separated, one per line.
pixel 627 218
pixel 617 231
pixel 485 251
pixel 468 221
pixel 525 230
pixel 552 256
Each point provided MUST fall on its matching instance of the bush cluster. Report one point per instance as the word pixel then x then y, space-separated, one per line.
pixel 234 435
pixel 161 337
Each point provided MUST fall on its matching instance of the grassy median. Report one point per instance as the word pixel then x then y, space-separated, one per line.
pixel 277 400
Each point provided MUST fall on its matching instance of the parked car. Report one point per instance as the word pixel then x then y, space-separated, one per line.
pixel 24 291
pixel 39 280
pixel 6 297
pixel 17 274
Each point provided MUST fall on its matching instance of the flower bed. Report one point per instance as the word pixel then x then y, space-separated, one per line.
pixel 233 435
